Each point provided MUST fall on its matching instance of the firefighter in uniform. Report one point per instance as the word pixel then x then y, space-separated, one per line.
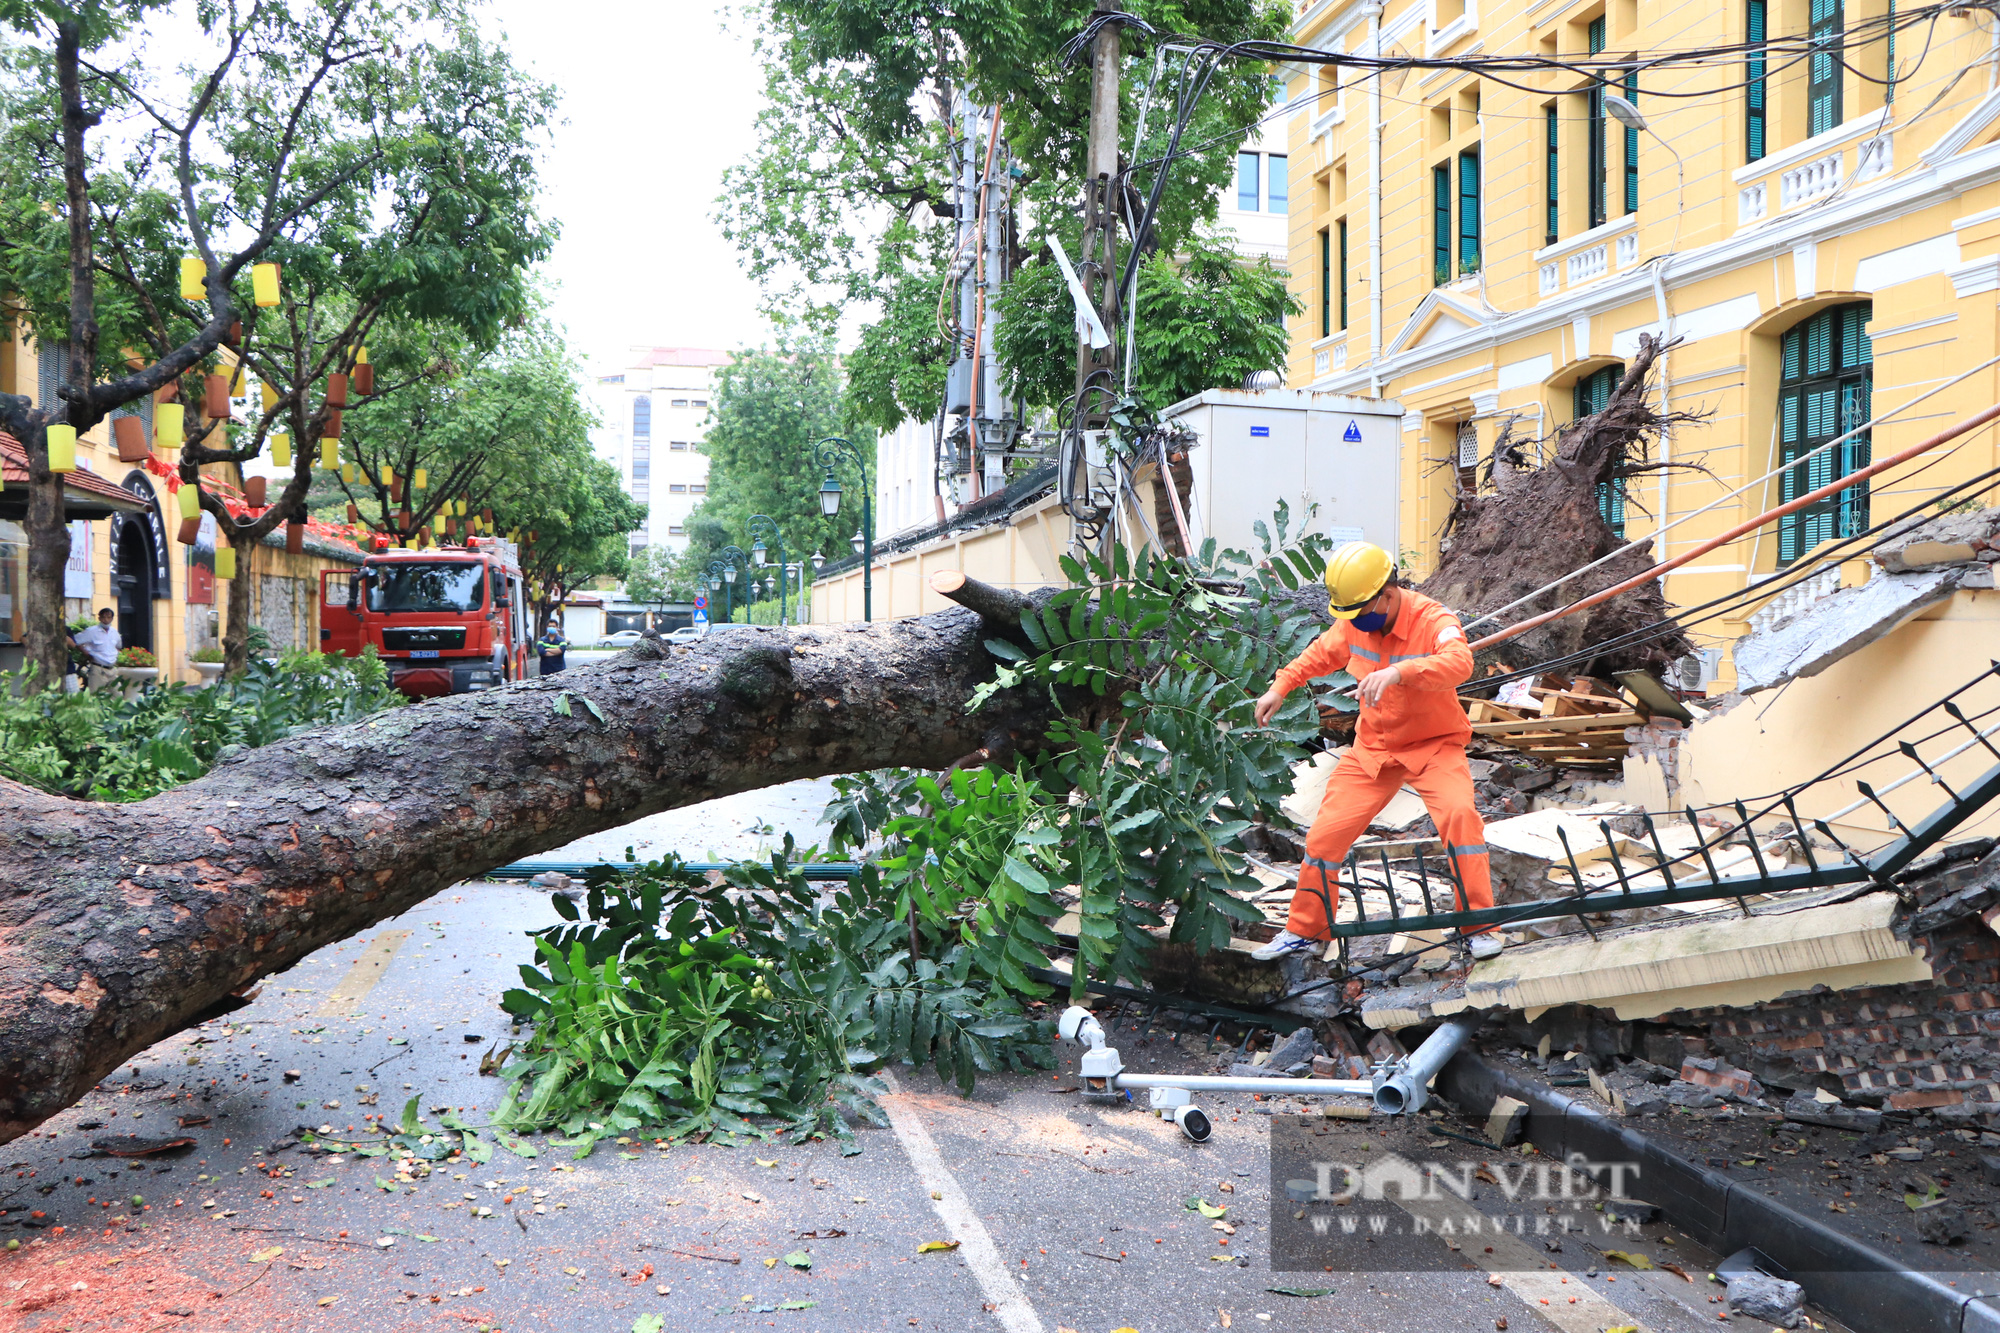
pixel 1408 655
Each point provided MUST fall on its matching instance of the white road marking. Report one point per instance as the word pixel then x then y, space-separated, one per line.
pixel 975 1246
pixel 1529 1276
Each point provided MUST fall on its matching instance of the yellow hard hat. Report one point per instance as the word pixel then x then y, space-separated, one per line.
pixel 1354 574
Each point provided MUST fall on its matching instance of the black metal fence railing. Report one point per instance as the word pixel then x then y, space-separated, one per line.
pixel 1722 835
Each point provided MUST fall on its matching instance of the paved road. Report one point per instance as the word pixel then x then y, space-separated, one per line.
pixel 1069 1215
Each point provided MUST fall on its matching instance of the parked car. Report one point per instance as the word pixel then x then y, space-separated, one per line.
pixel 623 638
pixel 685 634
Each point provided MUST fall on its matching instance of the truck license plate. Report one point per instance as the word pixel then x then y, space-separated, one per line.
pixel 423 652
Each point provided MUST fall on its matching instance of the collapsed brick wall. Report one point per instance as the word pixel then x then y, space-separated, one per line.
pixel 1929 1046
pixel 1919 1046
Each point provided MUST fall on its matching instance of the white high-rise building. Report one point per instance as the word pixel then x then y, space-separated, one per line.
pixel 656 410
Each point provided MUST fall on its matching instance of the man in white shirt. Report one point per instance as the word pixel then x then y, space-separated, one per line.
pixel 99 644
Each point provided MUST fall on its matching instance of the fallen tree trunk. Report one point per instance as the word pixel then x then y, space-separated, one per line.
pixel 122 923
pixel 1541 523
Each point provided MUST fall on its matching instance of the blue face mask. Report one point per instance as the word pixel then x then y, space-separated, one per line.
pixel 1370 622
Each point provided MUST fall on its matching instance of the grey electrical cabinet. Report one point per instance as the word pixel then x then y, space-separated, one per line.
pixel 1257 447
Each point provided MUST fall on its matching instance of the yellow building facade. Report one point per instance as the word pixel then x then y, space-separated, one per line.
pixel 1823 236
pixel 163 592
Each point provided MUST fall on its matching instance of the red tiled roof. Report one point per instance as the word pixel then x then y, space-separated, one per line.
pixel 14 463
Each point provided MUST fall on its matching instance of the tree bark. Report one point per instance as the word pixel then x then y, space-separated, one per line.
pixel 121 924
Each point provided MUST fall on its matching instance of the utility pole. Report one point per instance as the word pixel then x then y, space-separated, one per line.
pixel 1098 264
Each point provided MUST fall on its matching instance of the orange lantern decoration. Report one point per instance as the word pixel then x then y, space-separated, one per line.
pixel 215 397
pixel 254 491
pixel 190 530
pixel 295 535
pixel 353 512
pixel 336 390
pixel 130 433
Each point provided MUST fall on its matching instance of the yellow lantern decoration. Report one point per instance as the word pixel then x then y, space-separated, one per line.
pixel 329 454
pixel 194 278
pixel 281 449
pixel 437 524
pixel 238 385
pixel 190 496
pixel 420 478
pixel 169 425
pixel 270 395
pixel 264 283
pixel 225 561
pixel 361 356
pixel 62 447
pixel 347 473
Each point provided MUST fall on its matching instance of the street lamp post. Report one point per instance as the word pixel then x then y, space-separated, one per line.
pixel 831 450
pixel 728 560
pixel 760 525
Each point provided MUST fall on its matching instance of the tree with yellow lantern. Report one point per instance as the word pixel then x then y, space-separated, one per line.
pixel 212 245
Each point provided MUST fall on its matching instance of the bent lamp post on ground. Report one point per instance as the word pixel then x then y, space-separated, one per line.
pixel 831 449
pixel 1399 1087
pixel 761 525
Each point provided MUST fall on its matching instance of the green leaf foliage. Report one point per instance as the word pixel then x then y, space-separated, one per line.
pixel 750 1009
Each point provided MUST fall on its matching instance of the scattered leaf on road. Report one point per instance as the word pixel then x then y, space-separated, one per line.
pixel 763 1162
pixel 1677 1271
pixel 266 1256
pixel 797 1305
pixel 799 1259
pixel 319 1184
pixel 1301 1291
pixel 328 1300
pixel 1207 1209
pixel 649 1323
pixel 1638 1261
pixel 931 1246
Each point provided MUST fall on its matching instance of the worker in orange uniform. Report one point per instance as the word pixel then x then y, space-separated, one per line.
pixel 1409 655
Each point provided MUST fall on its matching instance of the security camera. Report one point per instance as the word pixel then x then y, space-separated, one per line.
pixel 1193 1122
pixel 1080 1025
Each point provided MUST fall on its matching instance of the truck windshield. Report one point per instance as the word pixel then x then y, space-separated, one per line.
pixel 441 587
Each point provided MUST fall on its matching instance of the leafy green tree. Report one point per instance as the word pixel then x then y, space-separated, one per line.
pixel 1206 319
pixel 654 578
pixel 771 408
pixel 385 158
pixel 581 523
pixel 483 428
pixel 847 197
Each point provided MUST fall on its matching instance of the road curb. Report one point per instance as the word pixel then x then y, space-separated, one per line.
pixel 1849 1279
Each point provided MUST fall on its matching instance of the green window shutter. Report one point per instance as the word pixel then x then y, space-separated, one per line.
pixel 1595 164
pixel 1343 273
pixel 1325 284
pixel 1468 211
pixel 1440 225
pixel 1823 67
pixel 1755 90
pixel 1889 88
pixel 1632 149
pixel 1554 177
pixel 1827 391
pixel 1591 394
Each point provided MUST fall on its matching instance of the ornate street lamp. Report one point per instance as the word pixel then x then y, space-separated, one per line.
pixel 762 526
pixel 831 452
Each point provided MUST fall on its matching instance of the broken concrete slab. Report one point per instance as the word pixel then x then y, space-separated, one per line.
pixel 1766 1299
pixel 1837 625
pixel 1810 1110
pixel 1946 539
pixel 1644 971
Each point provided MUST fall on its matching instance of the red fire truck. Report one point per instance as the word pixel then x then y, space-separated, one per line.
pixel 446 620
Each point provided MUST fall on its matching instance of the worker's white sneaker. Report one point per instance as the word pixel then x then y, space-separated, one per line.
pixel 1283 943
pixel 1487 945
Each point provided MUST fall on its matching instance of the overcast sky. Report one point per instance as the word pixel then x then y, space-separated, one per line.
pixel 657 99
